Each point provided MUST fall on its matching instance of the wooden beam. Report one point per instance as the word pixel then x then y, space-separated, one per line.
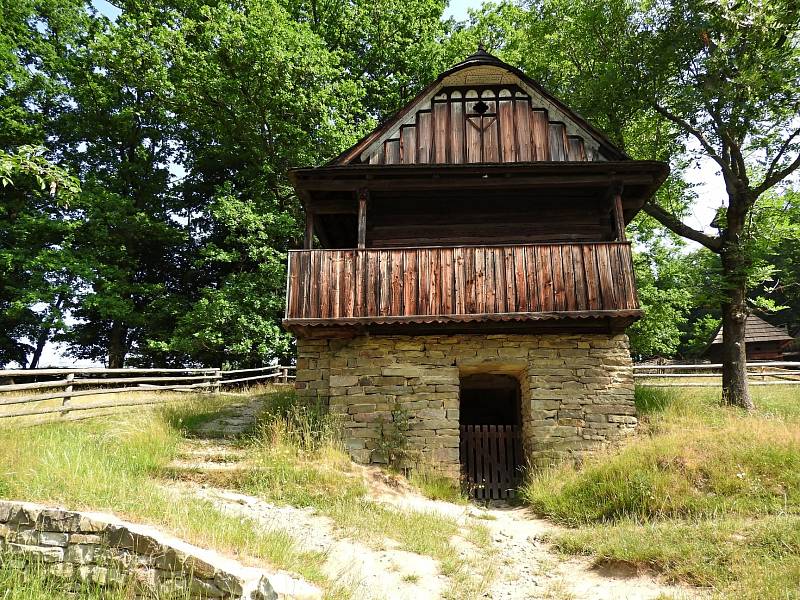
pixel 308 241
pixel 363 197
pixel 619 218
pixel 467 181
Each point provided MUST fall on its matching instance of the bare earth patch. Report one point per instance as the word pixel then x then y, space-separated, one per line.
pixel 526 566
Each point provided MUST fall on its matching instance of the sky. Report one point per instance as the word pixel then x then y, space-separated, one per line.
pixel 458 9
pixel 710 188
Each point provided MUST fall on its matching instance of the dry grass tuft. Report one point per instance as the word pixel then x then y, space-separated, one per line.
pixel 709 496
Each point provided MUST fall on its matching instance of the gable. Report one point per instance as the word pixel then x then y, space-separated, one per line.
pixel 482 111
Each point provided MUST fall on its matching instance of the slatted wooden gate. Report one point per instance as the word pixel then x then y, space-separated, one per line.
pixel 490 458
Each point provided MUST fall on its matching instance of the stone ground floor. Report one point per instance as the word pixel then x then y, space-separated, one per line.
pixel 574 393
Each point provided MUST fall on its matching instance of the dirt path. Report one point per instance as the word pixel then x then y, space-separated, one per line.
pixel 525 567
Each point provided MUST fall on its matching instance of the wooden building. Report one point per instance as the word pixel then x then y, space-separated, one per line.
pixel 472 282
pixel 762 341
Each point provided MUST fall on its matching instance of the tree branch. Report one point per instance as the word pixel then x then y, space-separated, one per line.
pixel 772 177
pixel 671 222
pixel 683 124
pixel 734 151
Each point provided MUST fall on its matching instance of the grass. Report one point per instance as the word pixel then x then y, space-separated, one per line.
pixel 709 495
pixel 435 486
pixel 117 464
pixel 299 460
pixel 112 464
pixel 29 579
pixel 34 583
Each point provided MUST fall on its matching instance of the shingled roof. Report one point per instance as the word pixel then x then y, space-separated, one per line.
pixel 758 330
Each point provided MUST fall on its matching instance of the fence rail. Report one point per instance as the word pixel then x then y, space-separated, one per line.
pixel 710 374
pixel 31 392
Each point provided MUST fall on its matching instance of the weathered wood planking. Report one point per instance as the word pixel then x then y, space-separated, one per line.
pixel 540 278
pixel 481 125
pixel 491 459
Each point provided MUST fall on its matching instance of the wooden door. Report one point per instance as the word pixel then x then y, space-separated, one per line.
pixel 491 456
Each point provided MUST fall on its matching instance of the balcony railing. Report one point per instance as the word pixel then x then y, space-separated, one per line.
pixel 466 283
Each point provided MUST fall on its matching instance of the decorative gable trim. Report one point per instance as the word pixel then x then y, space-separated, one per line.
pixel 444 111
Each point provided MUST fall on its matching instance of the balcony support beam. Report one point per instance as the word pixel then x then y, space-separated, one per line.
pixel 308 240
pixel 363 198
pixel 619 217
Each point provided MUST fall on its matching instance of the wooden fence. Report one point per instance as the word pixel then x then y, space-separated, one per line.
pixel 710 374
pixel 58 392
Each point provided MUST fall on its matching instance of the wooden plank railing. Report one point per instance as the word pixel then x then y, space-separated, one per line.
pixel 581 279
pixel 34 392
pixel 710 374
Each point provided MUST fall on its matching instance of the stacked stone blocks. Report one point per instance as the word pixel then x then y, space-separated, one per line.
pixel 576 390
pixel 98 549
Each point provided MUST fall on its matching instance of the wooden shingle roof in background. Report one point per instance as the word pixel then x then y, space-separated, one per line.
pixel 758 330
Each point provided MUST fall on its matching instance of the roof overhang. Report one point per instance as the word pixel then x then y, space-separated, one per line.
pixel 639 179
pixel 605 320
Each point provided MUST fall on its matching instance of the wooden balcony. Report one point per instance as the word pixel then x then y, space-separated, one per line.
pixel 461 284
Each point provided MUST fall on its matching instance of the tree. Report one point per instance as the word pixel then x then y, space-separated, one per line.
pixel 257 93
pixel 728 77
pixel 665 299
pixel 34 252
pixel 116 131
pixel 36 258
pixel 697 78
pixel 784 286
pixel 392 49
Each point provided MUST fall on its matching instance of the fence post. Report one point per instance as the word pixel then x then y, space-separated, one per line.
pixel 67 394
pixel 285 374
pixel 218 381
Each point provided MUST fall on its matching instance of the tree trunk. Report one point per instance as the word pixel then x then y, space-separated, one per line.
pixel 735 390
pixel 44 334
pixel 117 348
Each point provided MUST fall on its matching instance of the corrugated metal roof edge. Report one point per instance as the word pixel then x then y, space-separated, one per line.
pixel 483 317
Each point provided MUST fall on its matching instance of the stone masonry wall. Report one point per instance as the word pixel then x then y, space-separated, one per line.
pixel 577 390
pixel 101 549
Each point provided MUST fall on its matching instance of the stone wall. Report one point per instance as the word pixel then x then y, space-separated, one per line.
pixel 105 551
pixel 577 390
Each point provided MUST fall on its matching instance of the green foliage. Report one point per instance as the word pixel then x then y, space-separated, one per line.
pixel 701 333
pixel 391 48
pixel 392 445
pixel 665 300
pixel 35 249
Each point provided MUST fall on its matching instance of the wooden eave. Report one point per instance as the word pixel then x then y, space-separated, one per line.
pixel 480 58
pixel 639 179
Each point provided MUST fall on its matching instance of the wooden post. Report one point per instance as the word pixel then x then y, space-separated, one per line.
pixel 308 240
pixel 67 394
pixel 217 382
pixel 619 218
pixel 285 374
pixel 363 197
